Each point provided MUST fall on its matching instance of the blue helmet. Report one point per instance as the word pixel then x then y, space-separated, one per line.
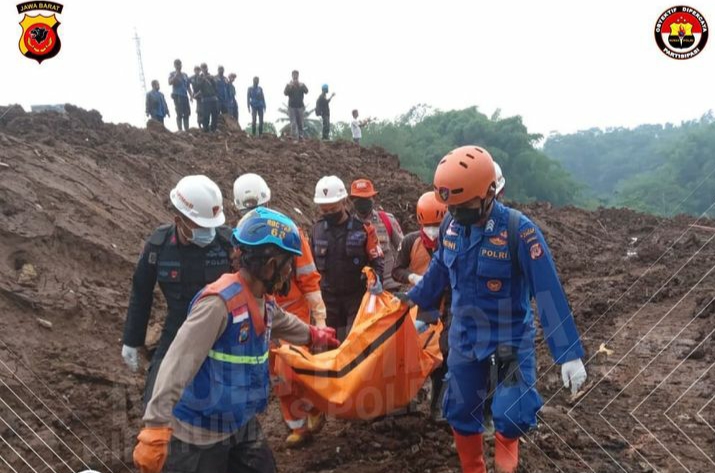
pixel 325 87
pixel 263 226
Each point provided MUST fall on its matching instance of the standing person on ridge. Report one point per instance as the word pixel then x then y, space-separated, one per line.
pixel 180 92
pixel 156 107
pixel 256 106
pixel 194 80
pixel 322 109
pixel 295 90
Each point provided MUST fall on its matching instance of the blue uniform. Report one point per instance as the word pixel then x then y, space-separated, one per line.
pixel 232 385
pixel 490 308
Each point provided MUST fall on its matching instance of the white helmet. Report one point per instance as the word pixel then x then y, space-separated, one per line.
pixel 200 199
pixel 501 182
pixel 329 190
pixel 250 190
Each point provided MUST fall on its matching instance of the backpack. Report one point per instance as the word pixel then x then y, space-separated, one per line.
pixel 386 220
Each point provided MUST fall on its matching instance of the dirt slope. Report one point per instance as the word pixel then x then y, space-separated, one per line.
pixel 77 198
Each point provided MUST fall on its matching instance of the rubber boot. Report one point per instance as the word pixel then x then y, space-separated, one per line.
pixel 471 452
pixel 315 422
pixel 297 437
pixel 506 454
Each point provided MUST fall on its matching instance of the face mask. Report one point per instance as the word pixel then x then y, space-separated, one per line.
pixel 431 232
pixel 465 216
pixel 284 288
pixel 333 218
pixel 202 236
pixel 363 206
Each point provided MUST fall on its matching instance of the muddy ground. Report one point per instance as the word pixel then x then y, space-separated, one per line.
pixel 78 197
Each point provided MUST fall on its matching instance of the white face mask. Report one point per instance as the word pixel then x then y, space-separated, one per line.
pixel 431 232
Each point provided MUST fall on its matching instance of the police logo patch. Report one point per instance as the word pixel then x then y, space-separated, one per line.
pixel 536 251
pixel 243 332
pixel 444 193
pixel 494 285
pixel 498 241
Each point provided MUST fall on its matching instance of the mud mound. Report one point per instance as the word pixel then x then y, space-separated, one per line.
pixel 78 197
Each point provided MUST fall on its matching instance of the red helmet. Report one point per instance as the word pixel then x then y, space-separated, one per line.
pixel 430 211
pixel 463 174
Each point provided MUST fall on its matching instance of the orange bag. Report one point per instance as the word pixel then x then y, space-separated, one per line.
pixel 378 369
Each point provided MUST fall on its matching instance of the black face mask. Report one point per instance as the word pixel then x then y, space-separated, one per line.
pixel 465 216
pixel 284 289
pixel 363 206
pixel 333 218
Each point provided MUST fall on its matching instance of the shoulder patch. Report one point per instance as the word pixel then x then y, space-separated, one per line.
pixel 535 251
pixel 159 236
pixel 525 234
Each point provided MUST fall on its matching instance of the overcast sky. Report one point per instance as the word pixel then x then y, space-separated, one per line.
pixel 561 65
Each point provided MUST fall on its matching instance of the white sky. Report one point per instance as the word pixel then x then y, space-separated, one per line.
pixel 561 65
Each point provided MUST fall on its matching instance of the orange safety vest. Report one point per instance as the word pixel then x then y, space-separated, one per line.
pixel 305 279
pixel 419 257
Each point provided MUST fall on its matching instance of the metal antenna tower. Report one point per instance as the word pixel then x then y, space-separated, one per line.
pixel 139 58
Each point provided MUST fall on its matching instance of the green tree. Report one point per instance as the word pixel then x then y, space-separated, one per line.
pixel 312 126
pixel 423 135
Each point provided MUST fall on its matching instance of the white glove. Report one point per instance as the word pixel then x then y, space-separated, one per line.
pixel 317 308
pixel 573 372
pixel 131 358
pixel 414 278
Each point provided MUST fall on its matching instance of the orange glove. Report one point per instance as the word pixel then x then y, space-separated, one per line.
pixel 152 449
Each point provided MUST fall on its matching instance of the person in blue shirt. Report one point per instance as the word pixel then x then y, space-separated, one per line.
pixel 495 260
pixel 232 104
pixel 156 107
pixel 256 106
pixel 222 91
pixel 180 91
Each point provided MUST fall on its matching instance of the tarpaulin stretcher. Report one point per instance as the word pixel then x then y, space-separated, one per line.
pixel 378 369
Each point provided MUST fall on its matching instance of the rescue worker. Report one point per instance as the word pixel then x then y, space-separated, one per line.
pixel 182 257
pixel 389 233
pixel 303 300
pixel 221 83
pixel 231 94
pixel 180 92
pixel 501 182
pixel 156 107
pixel 207 90
pixel 195 81
pixel 214 381
pixel 495 260
pixel 413 258
pixel 342 246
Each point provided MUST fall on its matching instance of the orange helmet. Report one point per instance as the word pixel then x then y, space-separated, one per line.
pixel 362 188
pixel 430 211
pixel 463 174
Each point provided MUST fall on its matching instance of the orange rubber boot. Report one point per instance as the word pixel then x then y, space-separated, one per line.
pixel 471 452
pixel 506 454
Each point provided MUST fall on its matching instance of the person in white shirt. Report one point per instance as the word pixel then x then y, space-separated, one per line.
pixel 356 127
